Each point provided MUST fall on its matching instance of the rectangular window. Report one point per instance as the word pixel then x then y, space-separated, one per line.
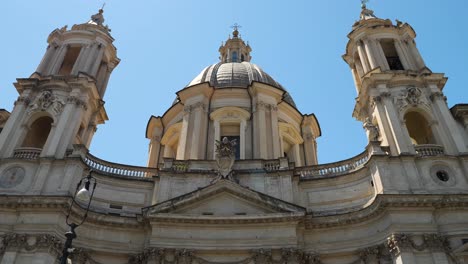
pixel 232 131
pixel 69 60
pixel 394 62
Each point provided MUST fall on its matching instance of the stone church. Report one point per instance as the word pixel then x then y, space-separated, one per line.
pixel 232 173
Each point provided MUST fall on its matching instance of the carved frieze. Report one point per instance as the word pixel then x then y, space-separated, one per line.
pixel 23 100
pixel 398 243
pixel 77 101
pixel 46 101
pixel 412 96
pixel 36 242
pixel 193 107
pixel 266 106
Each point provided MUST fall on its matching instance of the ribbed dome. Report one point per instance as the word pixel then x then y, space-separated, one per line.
pixel 237 74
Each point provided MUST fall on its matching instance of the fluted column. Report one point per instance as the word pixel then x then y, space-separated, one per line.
pixel 415 53
pixel 453 136
pixel 275 132
pixel 363 57
pixel 183 135
pixel 198 143
pixel 405 60
pixel 11 131
pixel 262 138
pixel 217 135
pixel 381 59
pixel 97 61
pixel 58 59
pixel 243 128
pixel 46 60
pixel 81 60
pixel 370 54
pixel 400 135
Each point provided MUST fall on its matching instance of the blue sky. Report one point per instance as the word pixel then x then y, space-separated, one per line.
pixel 164 44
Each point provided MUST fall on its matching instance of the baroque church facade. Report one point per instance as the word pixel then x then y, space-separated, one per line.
pixel 232 173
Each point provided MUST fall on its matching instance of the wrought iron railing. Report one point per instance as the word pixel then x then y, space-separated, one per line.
pixel 111 168
pixel 27 153
pixel 335 168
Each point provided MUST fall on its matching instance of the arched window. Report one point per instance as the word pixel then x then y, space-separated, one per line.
pixel 38 133
pixel 419 129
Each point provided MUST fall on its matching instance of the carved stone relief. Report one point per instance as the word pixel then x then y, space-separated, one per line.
pixel 41 242
pixel 46 101
pixel 371 130
pixel 12 177
pixel 412 96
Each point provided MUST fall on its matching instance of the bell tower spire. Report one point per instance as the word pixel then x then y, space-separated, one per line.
pixel 61 103
pixel 235 49
pixel 398 96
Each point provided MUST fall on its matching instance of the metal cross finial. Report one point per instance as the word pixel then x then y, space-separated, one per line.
pixel 235 26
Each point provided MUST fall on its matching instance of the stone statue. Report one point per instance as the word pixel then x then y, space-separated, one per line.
pixel 98 18
pixel 225 156
pixel 372 130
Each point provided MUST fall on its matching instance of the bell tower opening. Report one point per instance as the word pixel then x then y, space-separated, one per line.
pixel 391 54
pixel 38 133
pixel 419 129
pixel 69 60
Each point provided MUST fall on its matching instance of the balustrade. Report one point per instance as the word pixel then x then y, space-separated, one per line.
pixel 429 150
pixel 106 167
pixel 334 169
pixel 27 153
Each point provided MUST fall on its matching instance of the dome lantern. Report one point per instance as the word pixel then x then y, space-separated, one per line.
pixel 235 49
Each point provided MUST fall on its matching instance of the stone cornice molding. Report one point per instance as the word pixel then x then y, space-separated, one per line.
pixel 238 219
pixel 187 256
pixel 381 204
pixel 62 203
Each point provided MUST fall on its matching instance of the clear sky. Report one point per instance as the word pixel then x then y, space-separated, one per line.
pixel 164 44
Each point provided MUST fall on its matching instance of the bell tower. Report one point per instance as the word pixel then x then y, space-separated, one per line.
pixel 61 103
pixel 400 100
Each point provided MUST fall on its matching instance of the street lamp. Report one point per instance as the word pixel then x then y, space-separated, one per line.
pixel 85 194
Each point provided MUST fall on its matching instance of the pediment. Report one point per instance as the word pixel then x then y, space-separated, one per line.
pixel 224 199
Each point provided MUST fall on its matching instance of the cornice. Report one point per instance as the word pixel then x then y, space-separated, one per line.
pixel 61 204
pixel 292 218
pixel 384 202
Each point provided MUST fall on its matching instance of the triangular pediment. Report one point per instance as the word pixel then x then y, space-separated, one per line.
pixel 224 199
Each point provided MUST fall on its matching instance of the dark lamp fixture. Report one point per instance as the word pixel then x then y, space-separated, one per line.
pixel 84 196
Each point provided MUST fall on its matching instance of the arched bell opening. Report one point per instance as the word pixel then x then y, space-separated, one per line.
pixel 419 129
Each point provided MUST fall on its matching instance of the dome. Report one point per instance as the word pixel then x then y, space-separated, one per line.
pixel 237 74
